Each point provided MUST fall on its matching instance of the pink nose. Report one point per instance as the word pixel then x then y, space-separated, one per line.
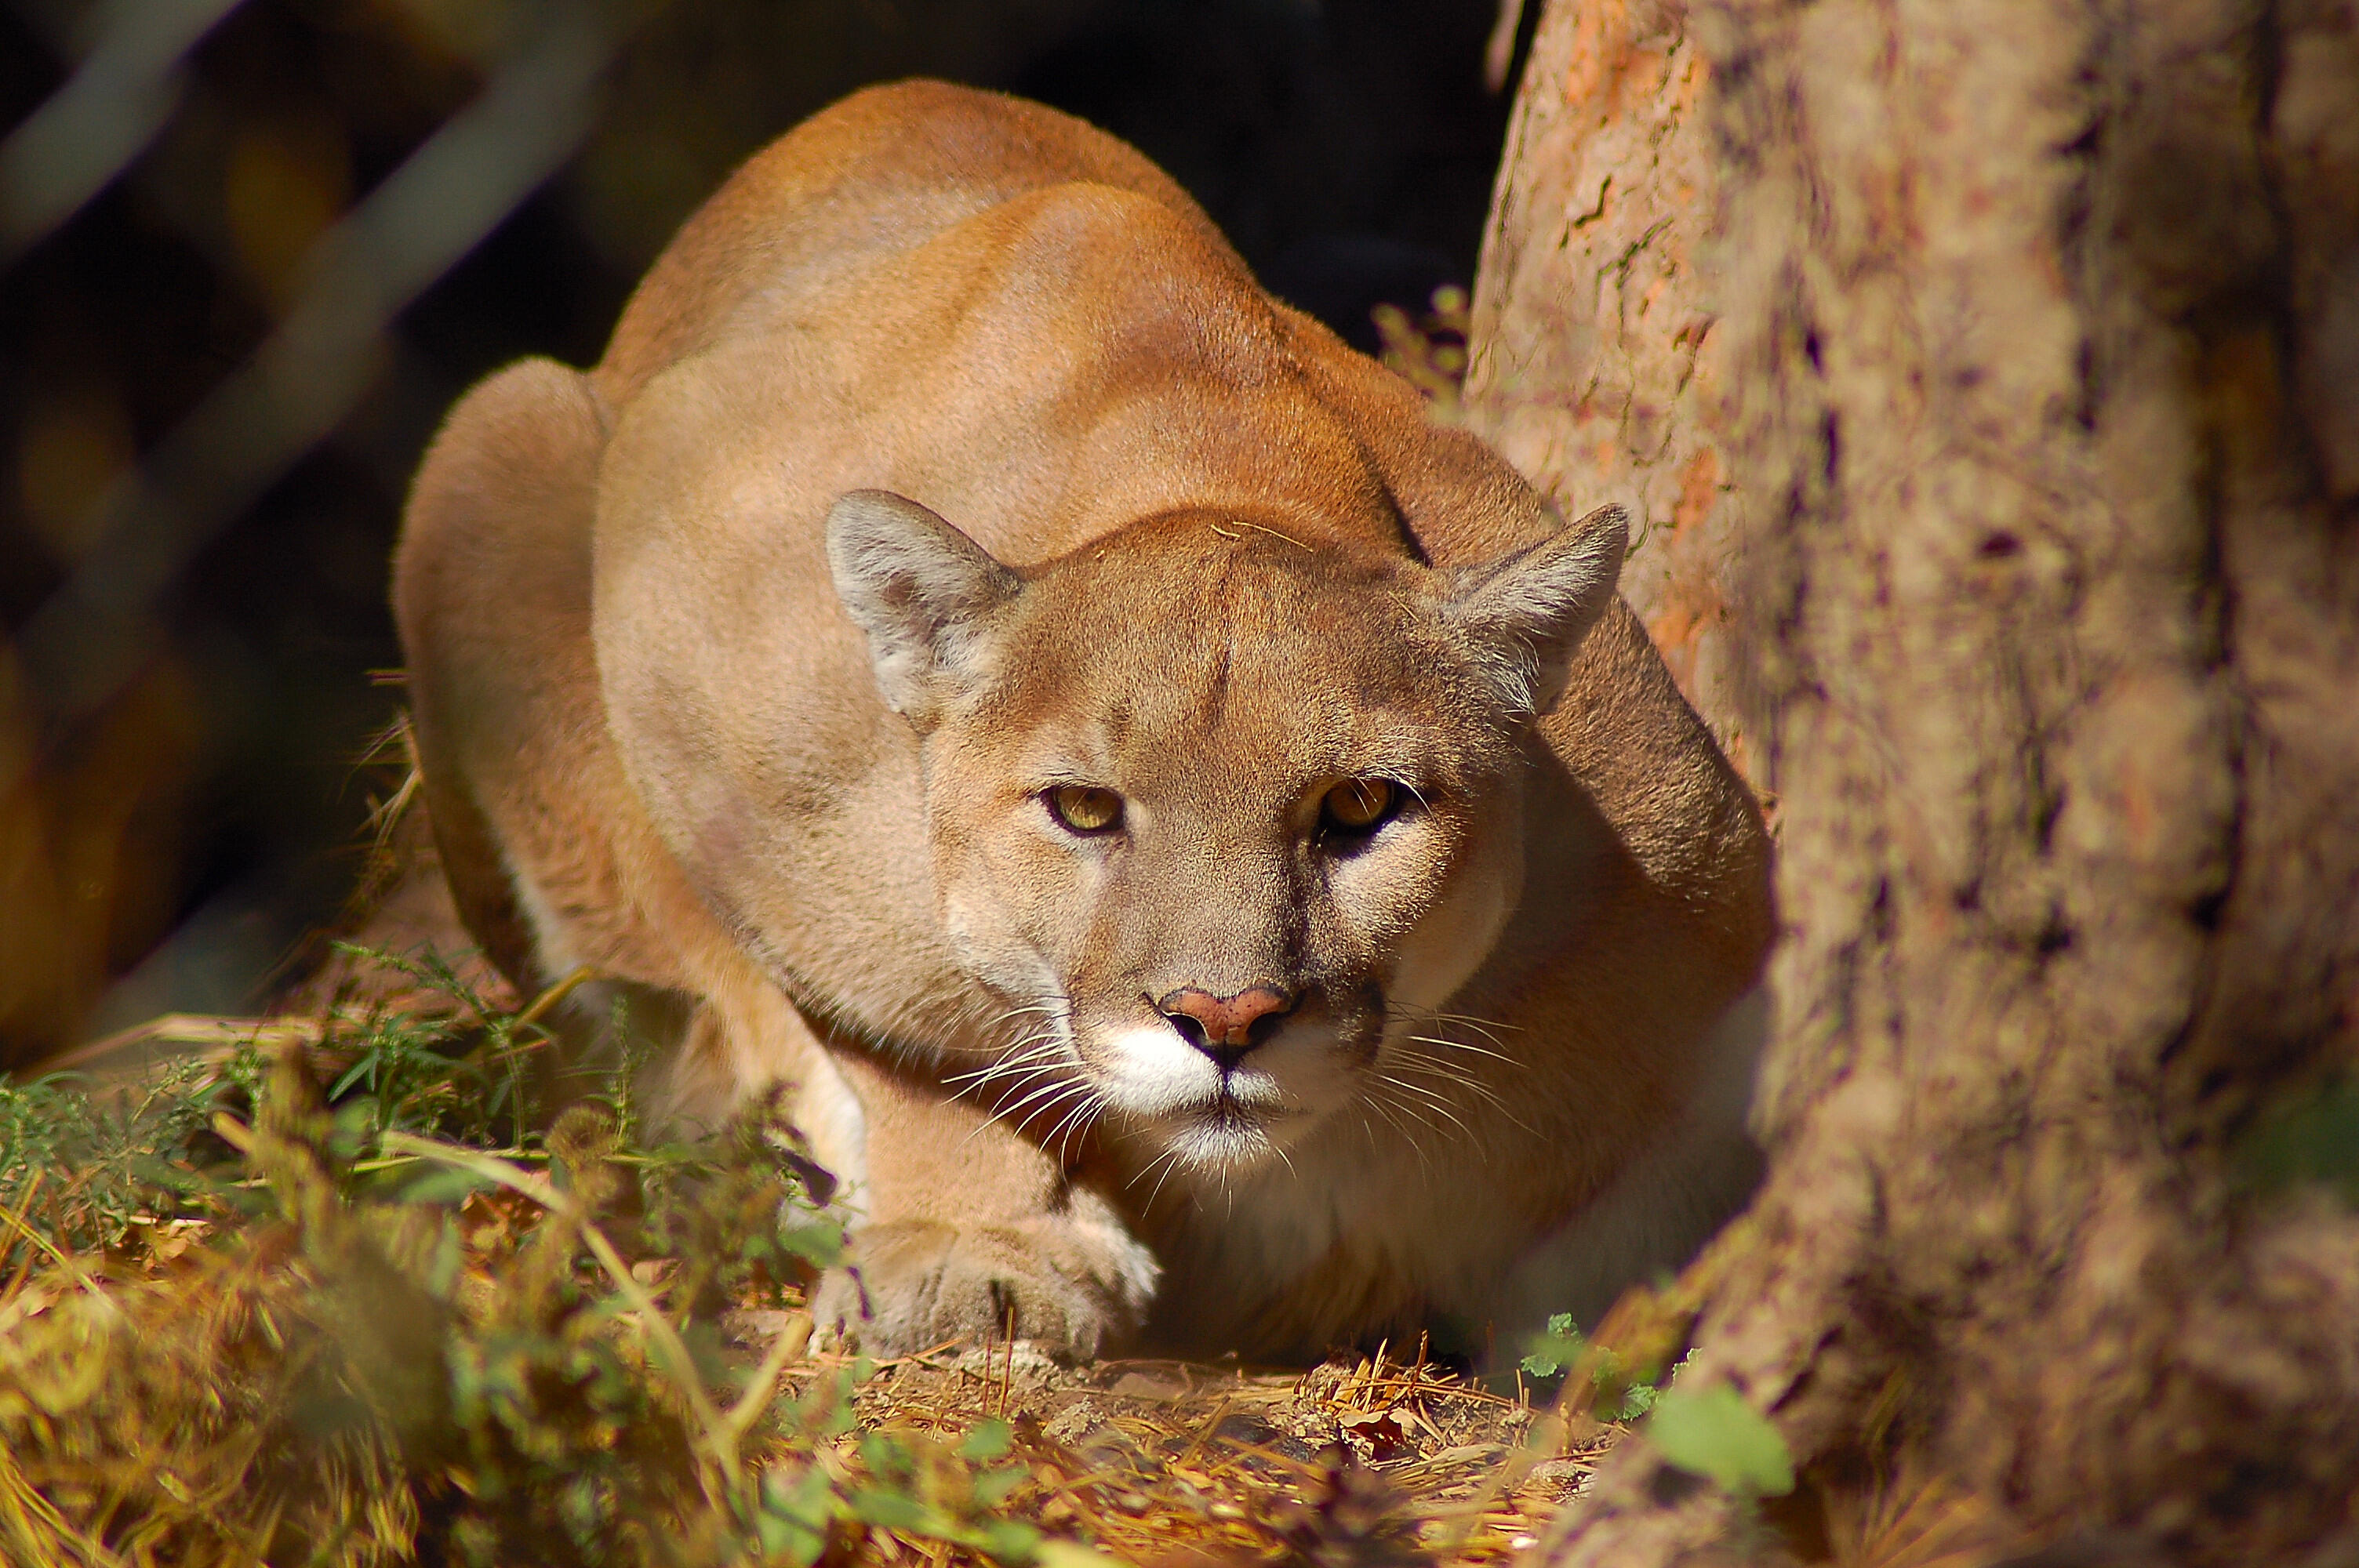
pixel 1225 1028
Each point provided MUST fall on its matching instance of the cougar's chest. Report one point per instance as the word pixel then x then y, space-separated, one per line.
pixel 1358 1235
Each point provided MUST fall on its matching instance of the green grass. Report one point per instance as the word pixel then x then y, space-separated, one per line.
pixel 421 1293
pixel 85 1172
pixel 355 1309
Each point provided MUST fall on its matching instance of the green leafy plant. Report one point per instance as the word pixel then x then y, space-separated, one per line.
pixel 1561 1347
pixel 1713 1433
pixel 1554 1349
pixel 83 1170
pixel 418 1328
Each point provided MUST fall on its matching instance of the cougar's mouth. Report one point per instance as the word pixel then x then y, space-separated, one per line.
pixel 1227 1133
pixel 1229 1109
pixel 1187 1106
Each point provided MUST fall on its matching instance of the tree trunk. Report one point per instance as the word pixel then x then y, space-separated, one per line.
pixel 1594 360
pixel 2036 326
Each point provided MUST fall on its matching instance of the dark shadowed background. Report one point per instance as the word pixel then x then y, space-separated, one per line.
pixel 249 253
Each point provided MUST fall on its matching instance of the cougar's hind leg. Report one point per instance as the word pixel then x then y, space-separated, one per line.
pixel 550 857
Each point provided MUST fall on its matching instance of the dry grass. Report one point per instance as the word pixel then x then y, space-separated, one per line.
pixel 314 1291
pixel 1370 1462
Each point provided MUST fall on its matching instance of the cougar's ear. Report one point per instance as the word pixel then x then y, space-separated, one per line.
pixel 922 591
pixel 1523 614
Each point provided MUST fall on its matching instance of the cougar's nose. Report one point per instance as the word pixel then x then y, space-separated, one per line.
pixel 1225 1028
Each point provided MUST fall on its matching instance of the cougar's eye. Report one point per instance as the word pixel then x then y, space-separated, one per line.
pixel 1358 806
pixel 1085 808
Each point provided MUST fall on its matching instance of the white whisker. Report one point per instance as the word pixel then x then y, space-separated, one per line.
pixel 1067 1090
pixel 1407 1133
pixel 1169 1160
pixel 1030 1052
pixel 1452 1081
pixel 1431 1102
pixel 1049 1093
pixel 1052 1092
pixel 1014 1068
pixel 1075 1122
pixel 1418 1065
pixel 1472 1050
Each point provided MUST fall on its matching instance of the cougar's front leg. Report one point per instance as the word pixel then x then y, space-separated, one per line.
pixel 550 856
pixel 969 1230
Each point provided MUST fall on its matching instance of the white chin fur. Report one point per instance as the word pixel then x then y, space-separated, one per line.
pixel 1162 1082
pixel 1151 1073
pixel 1235 1141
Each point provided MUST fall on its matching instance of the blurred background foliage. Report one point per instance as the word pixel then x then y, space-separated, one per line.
pixel 249 252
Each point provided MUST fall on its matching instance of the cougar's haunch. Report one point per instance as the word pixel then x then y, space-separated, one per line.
pixel 1217 863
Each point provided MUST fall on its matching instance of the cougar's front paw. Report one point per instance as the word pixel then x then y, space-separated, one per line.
pixel 1076 1284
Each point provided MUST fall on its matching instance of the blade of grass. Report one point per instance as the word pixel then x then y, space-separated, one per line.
pixel 70 1265
pixel 540 1005
pixel 671 1349
pixel 792 1341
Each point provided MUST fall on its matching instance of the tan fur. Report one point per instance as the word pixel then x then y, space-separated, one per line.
pixel 712 698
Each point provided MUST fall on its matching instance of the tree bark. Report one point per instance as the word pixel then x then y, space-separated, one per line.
pixel 2036 336
pixel 1595 364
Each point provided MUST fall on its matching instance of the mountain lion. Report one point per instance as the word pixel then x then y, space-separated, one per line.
pixel 1215 860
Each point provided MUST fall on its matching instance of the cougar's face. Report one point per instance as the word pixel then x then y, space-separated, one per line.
pixel 1212 808
pixel 1227 813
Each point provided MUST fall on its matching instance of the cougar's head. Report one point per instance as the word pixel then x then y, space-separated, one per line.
pixel 1212 805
